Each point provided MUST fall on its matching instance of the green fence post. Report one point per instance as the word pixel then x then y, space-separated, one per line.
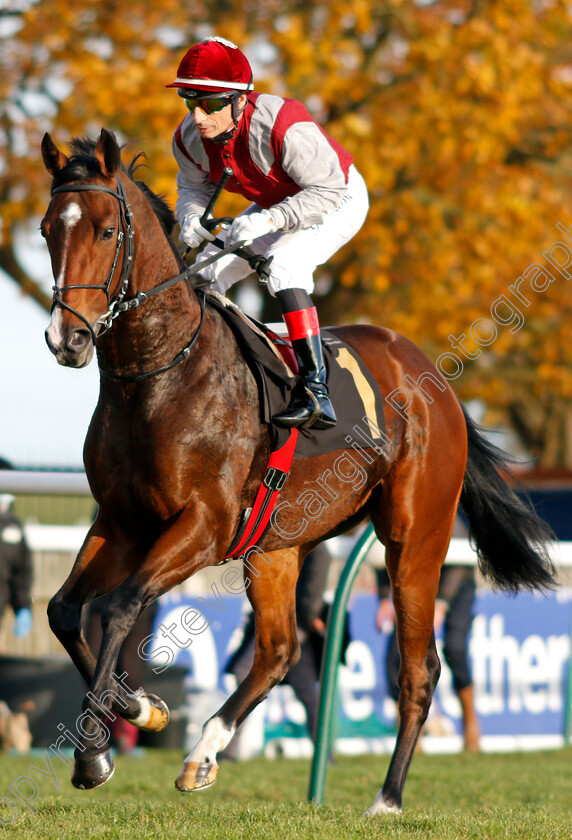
pixel 330 661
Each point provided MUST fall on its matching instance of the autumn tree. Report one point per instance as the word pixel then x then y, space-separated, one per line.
pixel 458 116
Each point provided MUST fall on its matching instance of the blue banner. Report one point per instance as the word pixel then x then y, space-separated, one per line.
pixel 519 649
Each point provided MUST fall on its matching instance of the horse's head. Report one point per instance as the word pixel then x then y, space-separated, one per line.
pixel 89 235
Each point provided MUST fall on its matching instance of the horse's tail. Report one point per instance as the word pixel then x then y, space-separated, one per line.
pixel 510 538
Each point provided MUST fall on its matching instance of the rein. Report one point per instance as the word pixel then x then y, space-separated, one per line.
pixel 180 357
pixel 119 303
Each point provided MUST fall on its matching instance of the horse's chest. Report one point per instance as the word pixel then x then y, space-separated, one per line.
pixel 135 496
pixel 136 475
pixel 160 455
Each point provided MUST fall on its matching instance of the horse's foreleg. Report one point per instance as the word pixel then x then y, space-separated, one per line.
pixel 164 566
pixel 111 694
pixel 273 597
pixel 101 565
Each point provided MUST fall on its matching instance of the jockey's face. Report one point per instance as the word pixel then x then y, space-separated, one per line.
pixel 219 122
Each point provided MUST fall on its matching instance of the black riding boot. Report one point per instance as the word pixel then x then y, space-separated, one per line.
pixel 315 409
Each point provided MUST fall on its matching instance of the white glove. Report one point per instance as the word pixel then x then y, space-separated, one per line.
pixel 247 228
pixel 192 231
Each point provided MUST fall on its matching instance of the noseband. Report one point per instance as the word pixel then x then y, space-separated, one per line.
pixel 125 232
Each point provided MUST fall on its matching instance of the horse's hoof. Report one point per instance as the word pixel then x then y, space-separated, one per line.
pixel 153 713
pixel 92 771
pixel 196 776
pixel 380 806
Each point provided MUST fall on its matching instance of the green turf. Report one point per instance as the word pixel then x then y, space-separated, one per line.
pixel 55 510
pixel 523 796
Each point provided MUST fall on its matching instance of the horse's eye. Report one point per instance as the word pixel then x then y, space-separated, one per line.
pixel 107 233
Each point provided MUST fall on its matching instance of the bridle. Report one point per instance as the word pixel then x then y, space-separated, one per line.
pixel 116 301
pixel 125 232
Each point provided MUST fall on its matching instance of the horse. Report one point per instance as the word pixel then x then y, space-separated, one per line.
pixel 176 450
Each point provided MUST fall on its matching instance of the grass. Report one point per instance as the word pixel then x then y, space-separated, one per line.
pixel 55 510
pixel 523 796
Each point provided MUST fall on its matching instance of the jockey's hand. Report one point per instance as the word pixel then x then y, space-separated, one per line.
pixel 192 231
pixel 248 228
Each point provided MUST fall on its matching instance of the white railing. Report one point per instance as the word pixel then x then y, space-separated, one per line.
pixel 69 538
pixel 38 483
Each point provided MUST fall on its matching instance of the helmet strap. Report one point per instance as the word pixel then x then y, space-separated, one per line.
pixel 235 112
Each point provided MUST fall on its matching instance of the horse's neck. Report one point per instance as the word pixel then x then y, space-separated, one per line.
pixel 151 335
pixel 154 262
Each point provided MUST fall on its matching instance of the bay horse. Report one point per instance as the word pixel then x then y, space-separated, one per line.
pixel 176 449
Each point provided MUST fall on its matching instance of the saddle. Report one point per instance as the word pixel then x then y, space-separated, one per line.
pixel 353 390
pixel 356 397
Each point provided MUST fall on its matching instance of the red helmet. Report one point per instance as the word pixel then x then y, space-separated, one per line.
pixel 214 66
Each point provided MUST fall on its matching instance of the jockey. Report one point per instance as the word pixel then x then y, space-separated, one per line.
pixel 308 198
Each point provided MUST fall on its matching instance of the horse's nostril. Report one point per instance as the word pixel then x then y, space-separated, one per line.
pixel 78 340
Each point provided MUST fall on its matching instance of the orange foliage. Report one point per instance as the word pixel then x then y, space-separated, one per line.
pixel 458 116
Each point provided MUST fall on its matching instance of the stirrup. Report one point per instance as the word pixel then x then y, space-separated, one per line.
pixel 316 419
pixel 316 414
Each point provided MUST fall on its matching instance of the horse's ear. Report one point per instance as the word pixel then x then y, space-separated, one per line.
pixel 54 160
pixel 108 153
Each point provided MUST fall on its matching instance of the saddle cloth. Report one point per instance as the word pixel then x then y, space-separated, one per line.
pixel 355 395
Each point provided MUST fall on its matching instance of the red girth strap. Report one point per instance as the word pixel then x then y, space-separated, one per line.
pixel 275 475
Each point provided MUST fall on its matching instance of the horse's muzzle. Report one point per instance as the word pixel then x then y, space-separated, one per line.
pixel 72 350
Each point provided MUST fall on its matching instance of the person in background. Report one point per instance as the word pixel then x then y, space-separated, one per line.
pixel 453 618
pixel 16 570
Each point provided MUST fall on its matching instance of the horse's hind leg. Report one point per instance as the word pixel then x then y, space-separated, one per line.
pixel 416 526
pixel 272 593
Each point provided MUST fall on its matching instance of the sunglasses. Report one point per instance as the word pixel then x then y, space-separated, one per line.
pixel 210 105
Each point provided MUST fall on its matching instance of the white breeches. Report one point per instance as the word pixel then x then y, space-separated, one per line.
pixel 297 254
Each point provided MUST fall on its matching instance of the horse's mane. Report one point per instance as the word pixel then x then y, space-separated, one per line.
pixel 84 164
